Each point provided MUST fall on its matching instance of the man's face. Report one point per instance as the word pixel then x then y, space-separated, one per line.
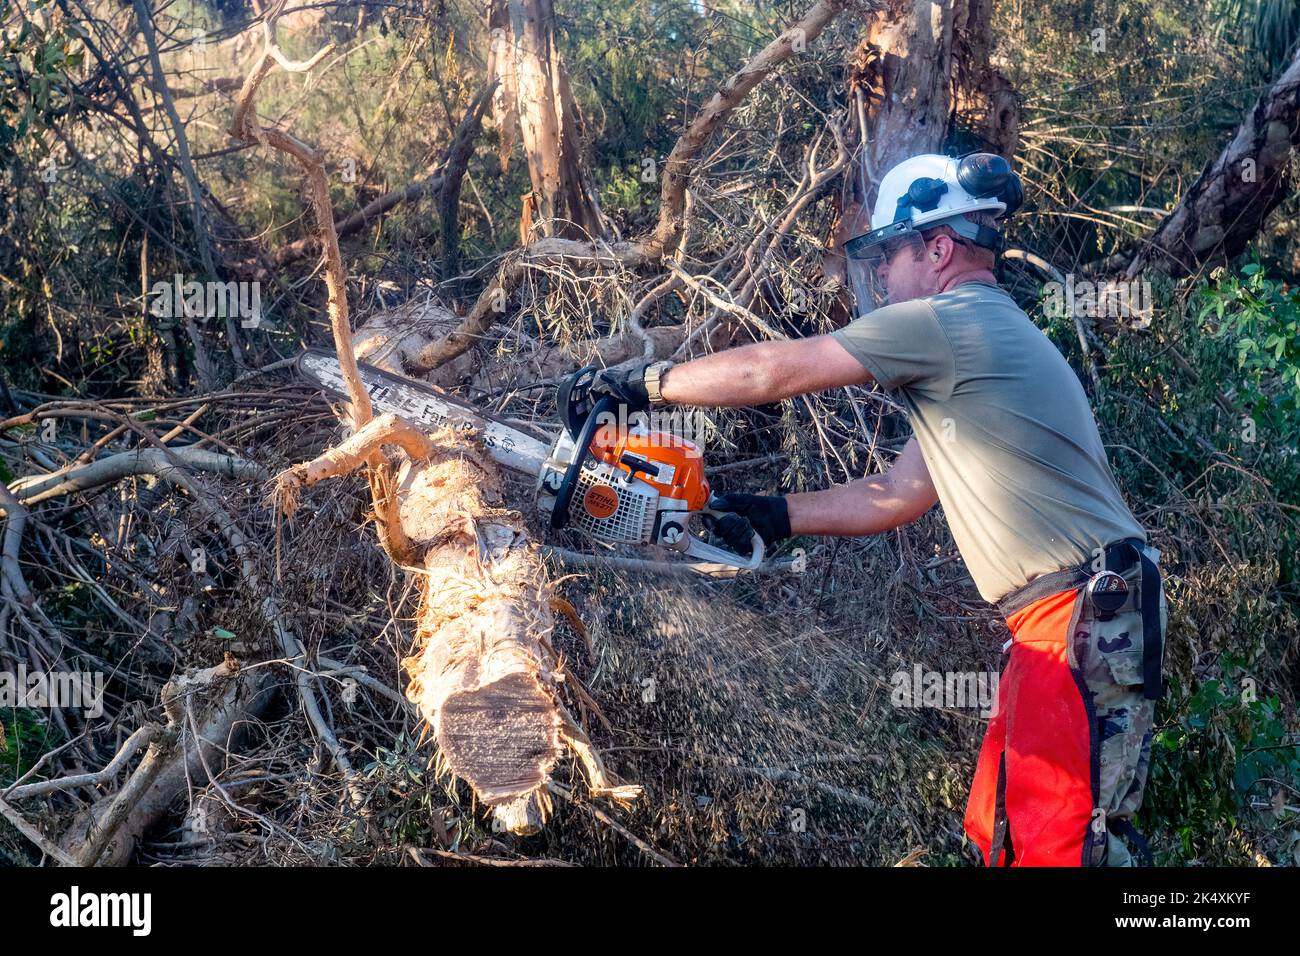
pixel 907 270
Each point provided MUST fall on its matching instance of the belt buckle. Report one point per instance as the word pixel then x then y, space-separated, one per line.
pixel 1108 592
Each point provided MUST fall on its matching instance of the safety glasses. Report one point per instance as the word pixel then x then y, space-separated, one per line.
pixel 870 264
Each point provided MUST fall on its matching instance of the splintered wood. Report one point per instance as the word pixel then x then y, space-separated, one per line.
pixel 478 674
pixel 482 673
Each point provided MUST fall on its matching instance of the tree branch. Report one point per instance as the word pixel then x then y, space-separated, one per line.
pixel 677 169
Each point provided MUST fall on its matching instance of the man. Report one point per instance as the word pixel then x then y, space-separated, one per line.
pixel 1004 438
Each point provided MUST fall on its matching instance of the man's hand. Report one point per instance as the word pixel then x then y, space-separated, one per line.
pixel 625 384
pixel 765 514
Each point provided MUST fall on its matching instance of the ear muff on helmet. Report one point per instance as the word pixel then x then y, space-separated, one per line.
pixel 989 175
pixel 1013 194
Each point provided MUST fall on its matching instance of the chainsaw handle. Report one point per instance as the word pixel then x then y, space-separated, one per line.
pixel 569 484
pixel 707 552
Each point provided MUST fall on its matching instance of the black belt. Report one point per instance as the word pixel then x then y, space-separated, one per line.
pixel 1118 557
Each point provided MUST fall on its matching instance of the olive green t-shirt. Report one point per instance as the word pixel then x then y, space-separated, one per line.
pixel 1005 429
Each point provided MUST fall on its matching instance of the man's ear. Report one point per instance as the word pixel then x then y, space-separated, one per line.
pixel 942 252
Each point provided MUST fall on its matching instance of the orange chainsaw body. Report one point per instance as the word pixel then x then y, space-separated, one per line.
pixel 673 466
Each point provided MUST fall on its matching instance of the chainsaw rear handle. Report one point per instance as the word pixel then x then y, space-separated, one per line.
pixel 703 551
pixel 569 484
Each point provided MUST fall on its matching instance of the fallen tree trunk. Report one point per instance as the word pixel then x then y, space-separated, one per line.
pixel 400 339
pixel 482 673
pixel 478 673
pixel 1227 205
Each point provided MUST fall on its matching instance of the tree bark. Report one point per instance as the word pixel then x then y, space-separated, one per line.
pixel 1227 205
pixel 985 101
pixel 478 672
pixel 910 77
pixel 482 672
pixel 537 103
pixel 921 66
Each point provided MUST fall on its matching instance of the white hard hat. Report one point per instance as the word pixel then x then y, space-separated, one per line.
pixel 931 190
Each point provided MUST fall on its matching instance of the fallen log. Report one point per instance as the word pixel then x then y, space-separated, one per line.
pixel 482 672
pixel 1227 205
pixel 479 673
pixel 398 339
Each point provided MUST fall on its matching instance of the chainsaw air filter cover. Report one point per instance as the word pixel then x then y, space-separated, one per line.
pixel 612 506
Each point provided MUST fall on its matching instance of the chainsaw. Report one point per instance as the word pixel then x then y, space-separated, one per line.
pixel 629 486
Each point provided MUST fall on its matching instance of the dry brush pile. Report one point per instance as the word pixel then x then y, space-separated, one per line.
pixel 406 669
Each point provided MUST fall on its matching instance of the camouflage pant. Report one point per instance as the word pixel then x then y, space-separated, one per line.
pixel 1066 753
pixel 1108 657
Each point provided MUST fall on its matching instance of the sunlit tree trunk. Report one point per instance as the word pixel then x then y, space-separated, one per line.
pixel 534 103
pixel 921 66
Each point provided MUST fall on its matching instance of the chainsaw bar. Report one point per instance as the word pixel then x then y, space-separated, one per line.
pixel 423 404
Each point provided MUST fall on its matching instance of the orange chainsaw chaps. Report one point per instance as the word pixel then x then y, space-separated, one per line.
pixel 1032 798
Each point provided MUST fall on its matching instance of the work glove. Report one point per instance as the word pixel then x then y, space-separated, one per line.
pixel 766 514
pixel 625 384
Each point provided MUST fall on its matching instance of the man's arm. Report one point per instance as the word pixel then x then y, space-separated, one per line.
pixel 869 505
pixel 763 372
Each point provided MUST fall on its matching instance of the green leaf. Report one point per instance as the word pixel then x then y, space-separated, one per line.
pixel 223 634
